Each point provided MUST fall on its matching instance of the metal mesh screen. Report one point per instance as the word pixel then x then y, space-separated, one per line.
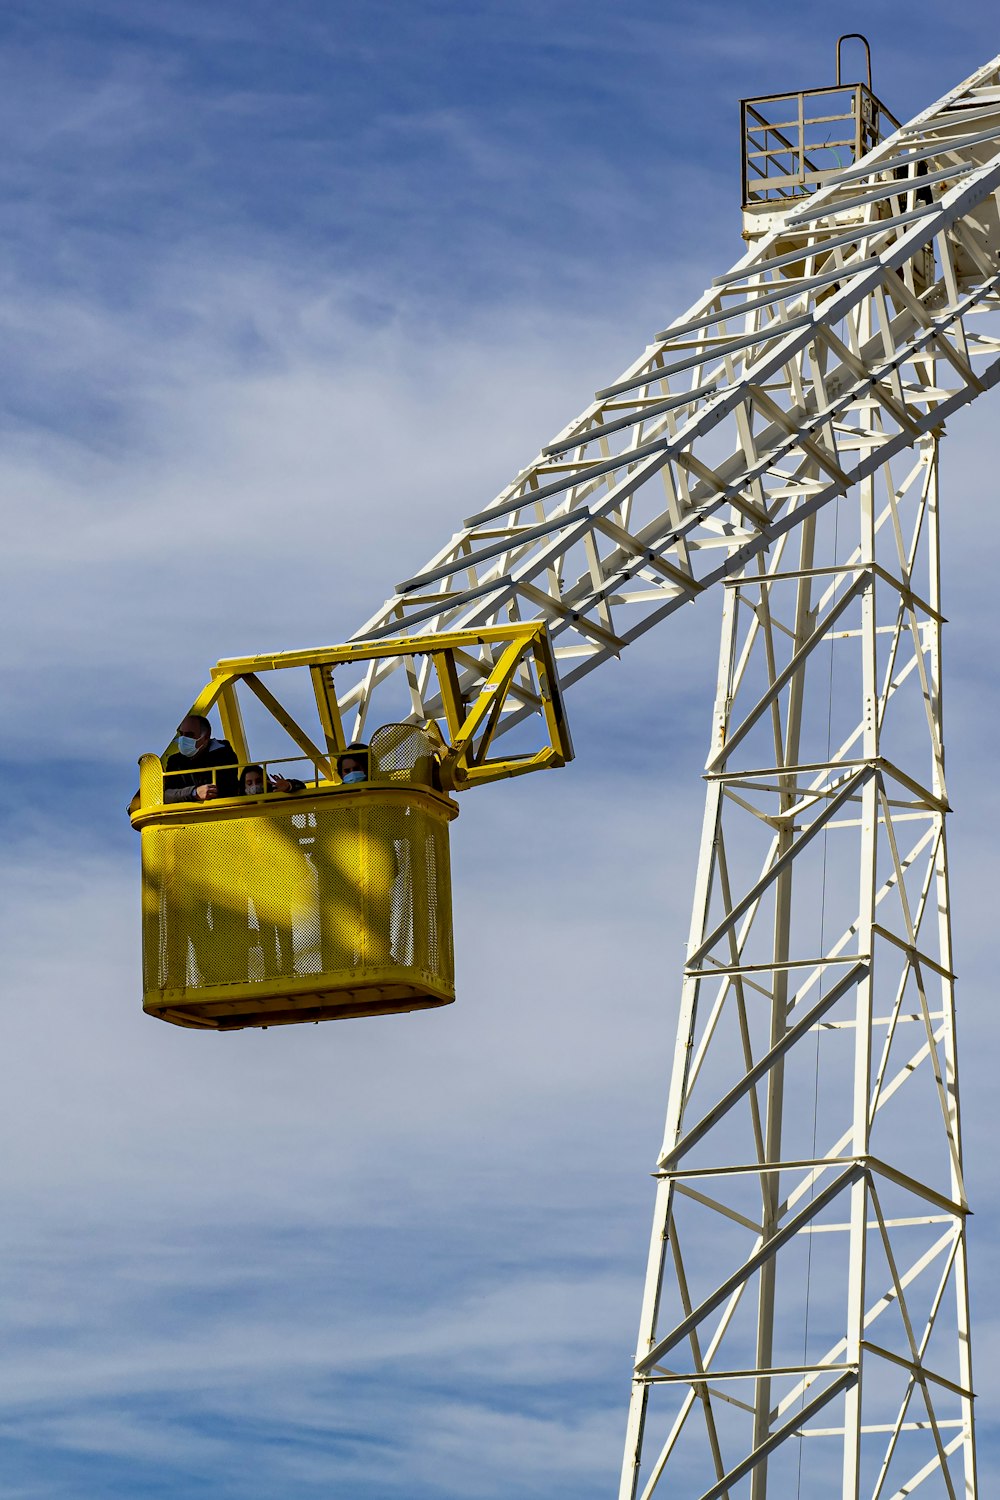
pixel 402 752
pixel 150 780
pixel 336 905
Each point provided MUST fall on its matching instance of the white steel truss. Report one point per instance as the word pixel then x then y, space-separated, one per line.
pixel 743 417
pixel 805 1325
pixel 807 1286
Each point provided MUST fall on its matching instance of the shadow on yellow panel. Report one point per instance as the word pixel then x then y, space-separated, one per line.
pixel 336 902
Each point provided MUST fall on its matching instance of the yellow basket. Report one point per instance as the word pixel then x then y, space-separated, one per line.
pixel 334 902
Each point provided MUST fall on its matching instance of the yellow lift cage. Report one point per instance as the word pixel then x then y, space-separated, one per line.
pixel 335 901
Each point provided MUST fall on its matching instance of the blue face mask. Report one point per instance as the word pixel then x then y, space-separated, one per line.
pixel 354 776
pixel 187 744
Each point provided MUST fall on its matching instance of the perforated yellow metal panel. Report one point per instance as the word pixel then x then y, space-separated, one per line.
pixel 336 903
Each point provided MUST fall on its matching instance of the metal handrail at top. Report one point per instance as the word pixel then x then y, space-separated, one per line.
pixel 784 151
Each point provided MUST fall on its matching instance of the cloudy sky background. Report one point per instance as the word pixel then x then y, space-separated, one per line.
pixel 286 292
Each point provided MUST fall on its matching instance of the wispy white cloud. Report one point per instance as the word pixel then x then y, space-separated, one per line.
pixel 275 462
pixel 195 1252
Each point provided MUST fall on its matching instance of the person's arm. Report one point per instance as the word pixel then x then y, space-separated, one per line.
pixel 285 784
pixel 185 787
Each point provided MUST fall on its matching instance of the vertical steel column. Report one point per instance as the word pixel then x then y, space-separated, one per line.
pixel 864 1010
pixel 970 1488
pixel 788 783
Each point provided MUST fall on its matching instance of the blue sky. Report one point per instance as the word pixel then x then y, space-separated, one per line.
pixel 286 291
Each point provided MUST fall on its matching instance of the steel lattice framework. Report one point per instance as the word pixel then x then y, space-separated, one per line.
pixel 807 1283
pixel 807 1276
pixel 744 416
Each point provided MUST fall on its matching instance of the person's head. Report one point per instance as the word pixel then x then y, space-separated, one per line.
pixel 252 781
pixel 352 765
pixel 193 734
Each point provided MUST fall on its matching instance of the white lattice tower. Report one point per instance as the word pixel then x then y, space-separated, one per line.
pixel 805 1322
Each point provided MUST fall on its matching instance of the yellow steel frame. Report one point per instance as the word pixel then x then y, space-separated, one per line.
pixel 470 726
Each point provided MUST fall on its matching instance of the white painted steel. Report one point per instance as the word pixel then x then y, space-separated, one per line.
pixel 781 438
pixel 812 1151
pixel 743 417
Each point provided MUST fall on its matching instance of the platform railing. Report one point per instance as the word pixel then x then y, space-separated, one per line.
pixel 794 143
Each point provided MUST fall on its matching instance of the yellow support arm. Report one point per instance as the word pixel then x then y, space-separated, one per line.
pixel 471 679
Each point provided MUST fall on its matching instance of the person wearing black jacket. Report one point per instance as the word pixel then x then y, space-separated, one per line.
pixel 252 782
pixel 210 922
pixel 196 757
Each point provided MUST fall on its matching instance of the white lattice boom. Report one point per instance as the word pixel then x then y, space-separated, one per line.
pixel 805 1324
pixel 701 454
